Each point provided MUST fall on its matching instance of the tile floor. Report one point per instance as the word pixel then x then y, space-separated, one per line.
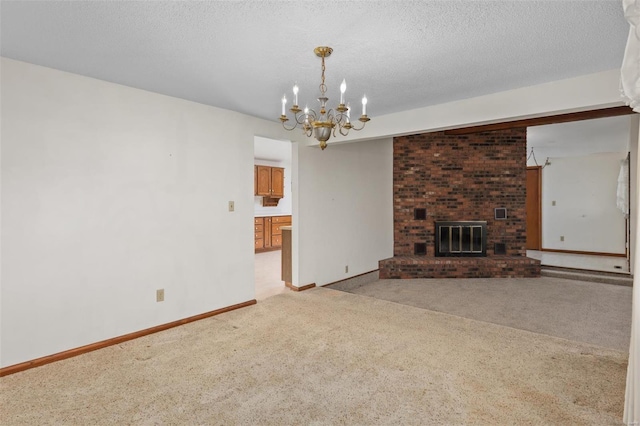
pixel 581 261
pixel 268 274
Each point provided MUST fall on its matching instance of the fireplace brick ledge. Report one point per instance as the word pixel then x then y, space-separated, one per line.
pixel 404 267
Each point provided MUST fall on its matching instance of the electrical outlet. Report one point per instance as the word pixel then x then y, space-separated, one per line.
pixel 346 269
pixel 160 295
pixel 561 237
pixel 553 203
pixel 231 206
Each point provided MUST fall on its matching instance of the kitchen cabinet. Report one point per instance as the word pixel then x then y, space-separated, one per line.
pixel 269 183
pixel 259 232
pixel 268 232
pixel 277 182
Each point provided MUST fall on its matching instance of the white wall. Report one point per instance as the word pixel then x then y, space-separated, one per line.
pixel 345 212
pixel 284 205
pixel 633 200
pixel 585 212
pixel 110 193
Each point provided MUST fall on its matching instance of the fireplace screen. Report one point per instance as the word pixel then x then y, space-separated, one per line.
pixel 461 238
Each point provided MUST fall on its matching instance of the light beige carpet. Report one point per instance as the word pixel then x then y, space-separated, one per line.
pixel 327 357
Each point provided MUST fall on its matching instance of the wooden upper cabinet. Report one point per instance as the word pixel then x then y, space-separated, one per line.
pixel 263 181
pixel 269 181
pixel 277 182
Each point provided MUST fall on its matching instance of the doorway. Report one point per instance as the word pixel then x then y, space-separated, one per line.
pixel 583 226
pixel 271 212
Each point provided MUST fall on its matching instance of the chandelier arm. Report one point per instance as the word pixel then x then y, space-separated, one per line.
pixel 300 119
pixel 341 119
pixel 313 115
pixel 357 129
pixel 331 116
pixel 343 123
pixel 302 116
pixel 340 125
pixel 289 128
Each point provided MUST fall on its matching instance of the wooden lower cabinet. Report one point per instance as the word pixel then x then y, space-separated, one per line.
pixel 268 233
pixel 259 231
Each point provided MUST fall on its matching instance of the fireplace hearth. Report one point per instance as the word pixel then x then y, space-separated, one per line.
pixel 461 239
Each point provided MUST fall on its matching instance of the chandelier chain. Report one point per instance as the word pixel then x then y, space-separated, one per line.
pixel 323 87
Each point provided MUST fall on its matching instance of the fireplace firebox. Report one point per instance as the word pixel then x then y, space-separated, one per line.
pixel 462 238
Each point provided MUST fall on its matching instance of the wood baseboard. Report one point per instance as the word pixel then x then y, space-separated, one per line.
pixel 350 278
pixel 303 288
pixel 590 253
pixel 12 369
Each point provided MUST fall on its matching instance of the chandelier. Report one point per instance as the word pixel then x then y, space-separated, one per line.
pixel 325 122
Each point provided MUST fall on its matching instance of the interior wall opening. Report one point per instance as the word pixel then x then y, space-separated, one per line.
pixel 272 214
pixel 579 187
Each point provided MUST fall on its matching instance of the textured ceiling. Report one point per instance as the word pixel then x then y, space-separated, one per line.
pixel 243 55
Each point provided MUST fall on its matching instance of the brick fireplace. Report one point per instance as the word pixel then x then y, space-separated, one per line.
pixel 470 178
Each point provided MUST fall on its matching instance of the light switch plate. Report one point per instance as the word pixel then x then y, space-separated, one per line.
pixel 231 206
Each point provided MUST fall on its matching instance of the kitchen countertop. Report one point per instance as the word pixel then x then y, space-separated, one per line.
pixel 271 215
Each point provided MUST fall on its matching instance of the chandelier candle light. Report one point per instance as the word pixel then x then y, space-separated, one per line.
pixel 322 124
